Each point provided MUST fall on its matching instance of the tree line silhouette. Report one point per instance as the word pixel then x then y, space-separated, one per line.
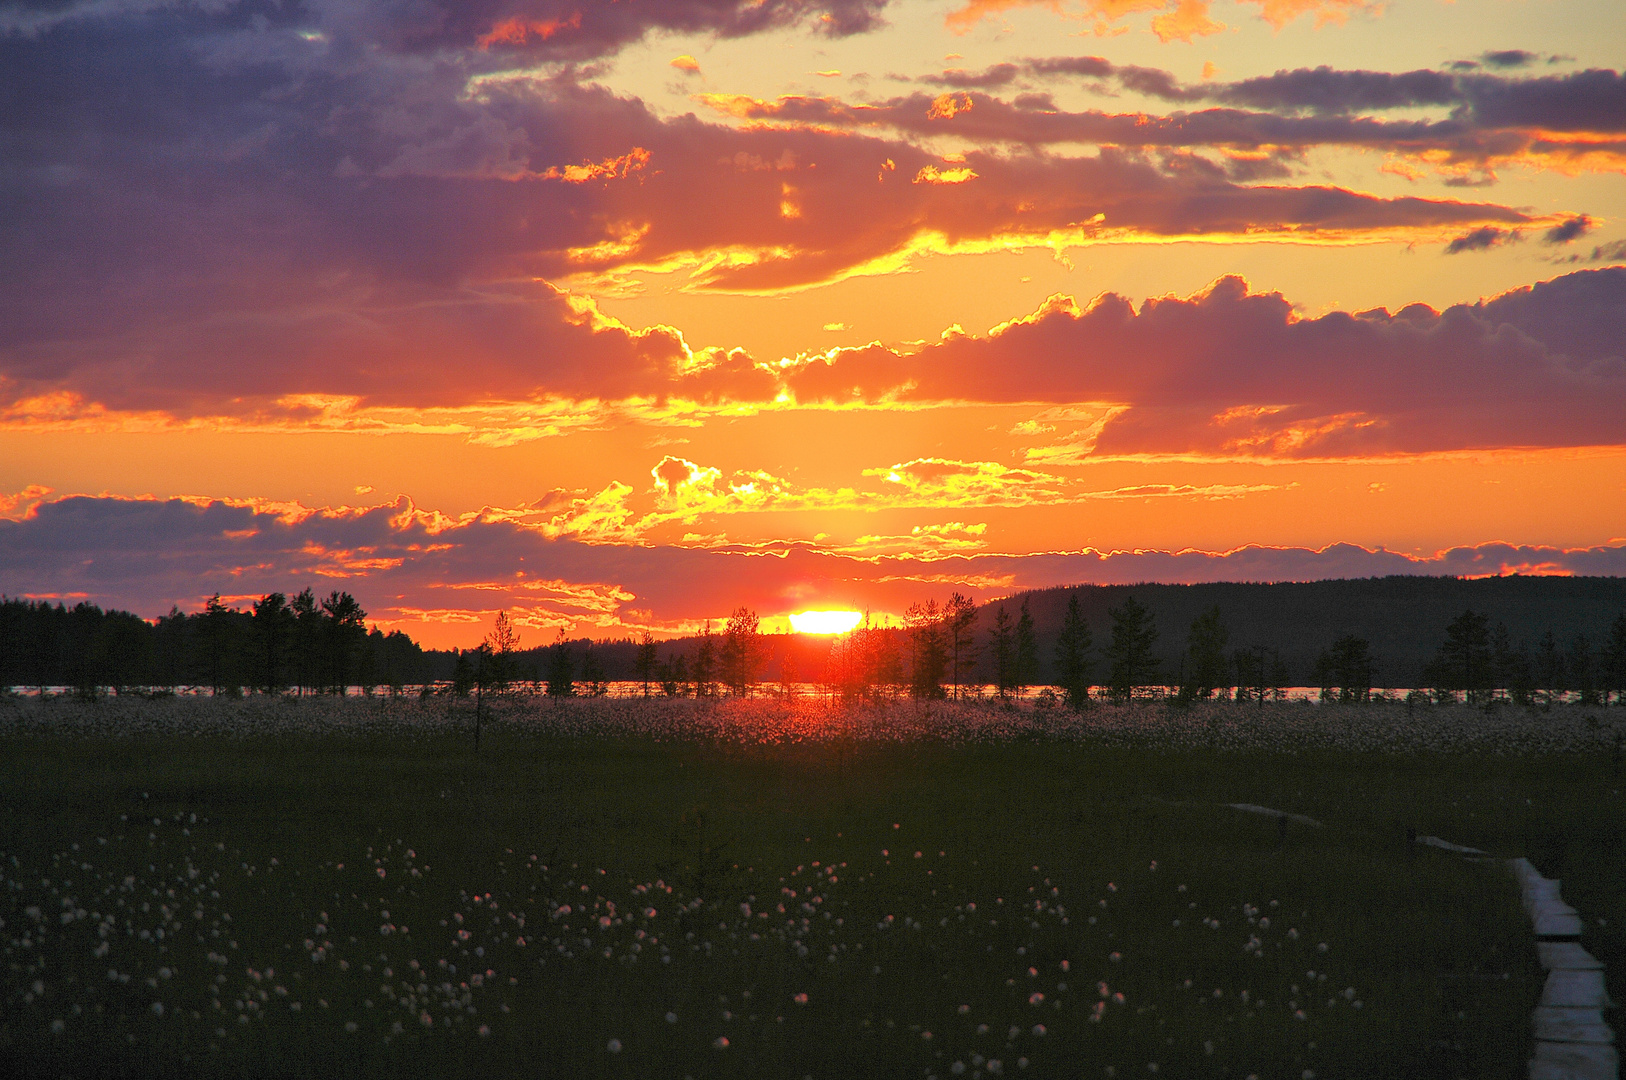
pixel 303 643
pixel 940 650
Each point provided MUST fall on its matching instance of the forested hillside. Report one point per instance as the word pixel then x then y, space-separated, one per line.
pixel 313 644
pixel 1403 619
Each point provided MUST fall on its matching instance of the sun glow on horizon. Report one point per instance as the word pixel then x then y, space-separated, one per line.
pixel 824 622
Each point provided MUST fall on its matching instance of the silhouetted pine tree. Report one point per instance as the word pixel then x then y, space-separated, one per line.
pixel 1027 649
pixel 1073 647
pixel 1580 669
pixel 1002 647
pixel 593 673
pixel 741 652
pixel 1206 669
pixel 215 644
pixel 273 628
pixel 1463 661
pixel 928 651
pixel 705 664
pixel 959 618
pixel 1613 676
pixel 561 669
pixel 1344 672
pixel 1134 632
pixel 1549 668
pixel 307 640
pixel 343 633
pixel 644 666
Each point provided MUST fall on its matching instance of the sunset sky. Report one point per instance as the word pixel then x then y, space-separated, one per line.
pixel 619 314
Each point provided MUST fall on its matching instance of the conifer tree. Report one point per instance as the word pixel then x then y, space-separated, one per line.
pixel 1073 647
pixel 1344 672
pixel 273 624
pixel 1463 661
pixel 307 638
pixel 1134 632
pixel 1580 669
pixel 788 670
pixel 959 616
pixel 928 652
pixel 1549 668
pixel 741 652
pixel 344 632
pixel 1206 669
pixel 1002 644
pixel 644 665
pixel 501 646
pixel 1027 649
pixel 561 668
pixel 1613 677
pixel 705 664
pixel 215 636
pixel 593 673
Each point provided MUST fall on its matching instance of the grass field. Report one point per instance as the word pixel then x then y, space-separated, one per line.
pixel 760 890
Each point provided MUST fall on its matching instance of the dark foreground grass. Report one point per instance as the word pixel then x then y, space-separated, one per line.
pixel 711 886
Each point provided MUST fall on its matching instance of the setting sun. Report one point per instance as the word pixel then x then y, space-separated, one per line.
pixel 824 622
pixel 667 333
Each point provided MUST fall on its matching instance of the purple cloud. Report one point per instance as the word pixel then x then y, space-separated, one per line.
pixel 1230 371
pixel 406 567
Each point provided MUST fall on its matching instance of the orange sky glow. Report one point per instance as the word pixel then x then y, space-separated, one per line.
pixel 619 317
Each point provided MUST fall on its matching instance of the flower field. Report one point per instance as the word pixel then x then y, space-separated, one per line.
pixel 760 889
pixel 1287 727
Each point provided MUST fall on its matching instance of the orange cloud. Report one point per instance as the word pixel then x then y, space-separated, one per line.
pixel 948 106
pixel 516 31
pixel 615 168
pixel 931 174
pixel 1279 13
pixel 23 502
pixel 686 63
pixel 942 481
pixel 1188 20
pixel 1181 19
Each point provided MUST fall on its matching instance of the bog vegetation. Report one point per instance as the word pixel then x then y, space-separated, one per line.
pixel 762 887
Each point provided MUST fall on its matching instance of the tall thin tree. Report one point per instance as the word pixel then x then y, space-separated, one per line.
pixel 741 651
pixel 1073 647
pixel 273 623
pixel 959 619
pixel 1027 649
pixel 1002 647
pixel 1134 633
pixel 928 654
pixel 1205 669
pixel 645 663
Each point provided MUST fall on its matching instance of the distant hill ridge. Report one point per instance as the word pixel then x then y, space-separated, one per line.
pixel 1403 618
